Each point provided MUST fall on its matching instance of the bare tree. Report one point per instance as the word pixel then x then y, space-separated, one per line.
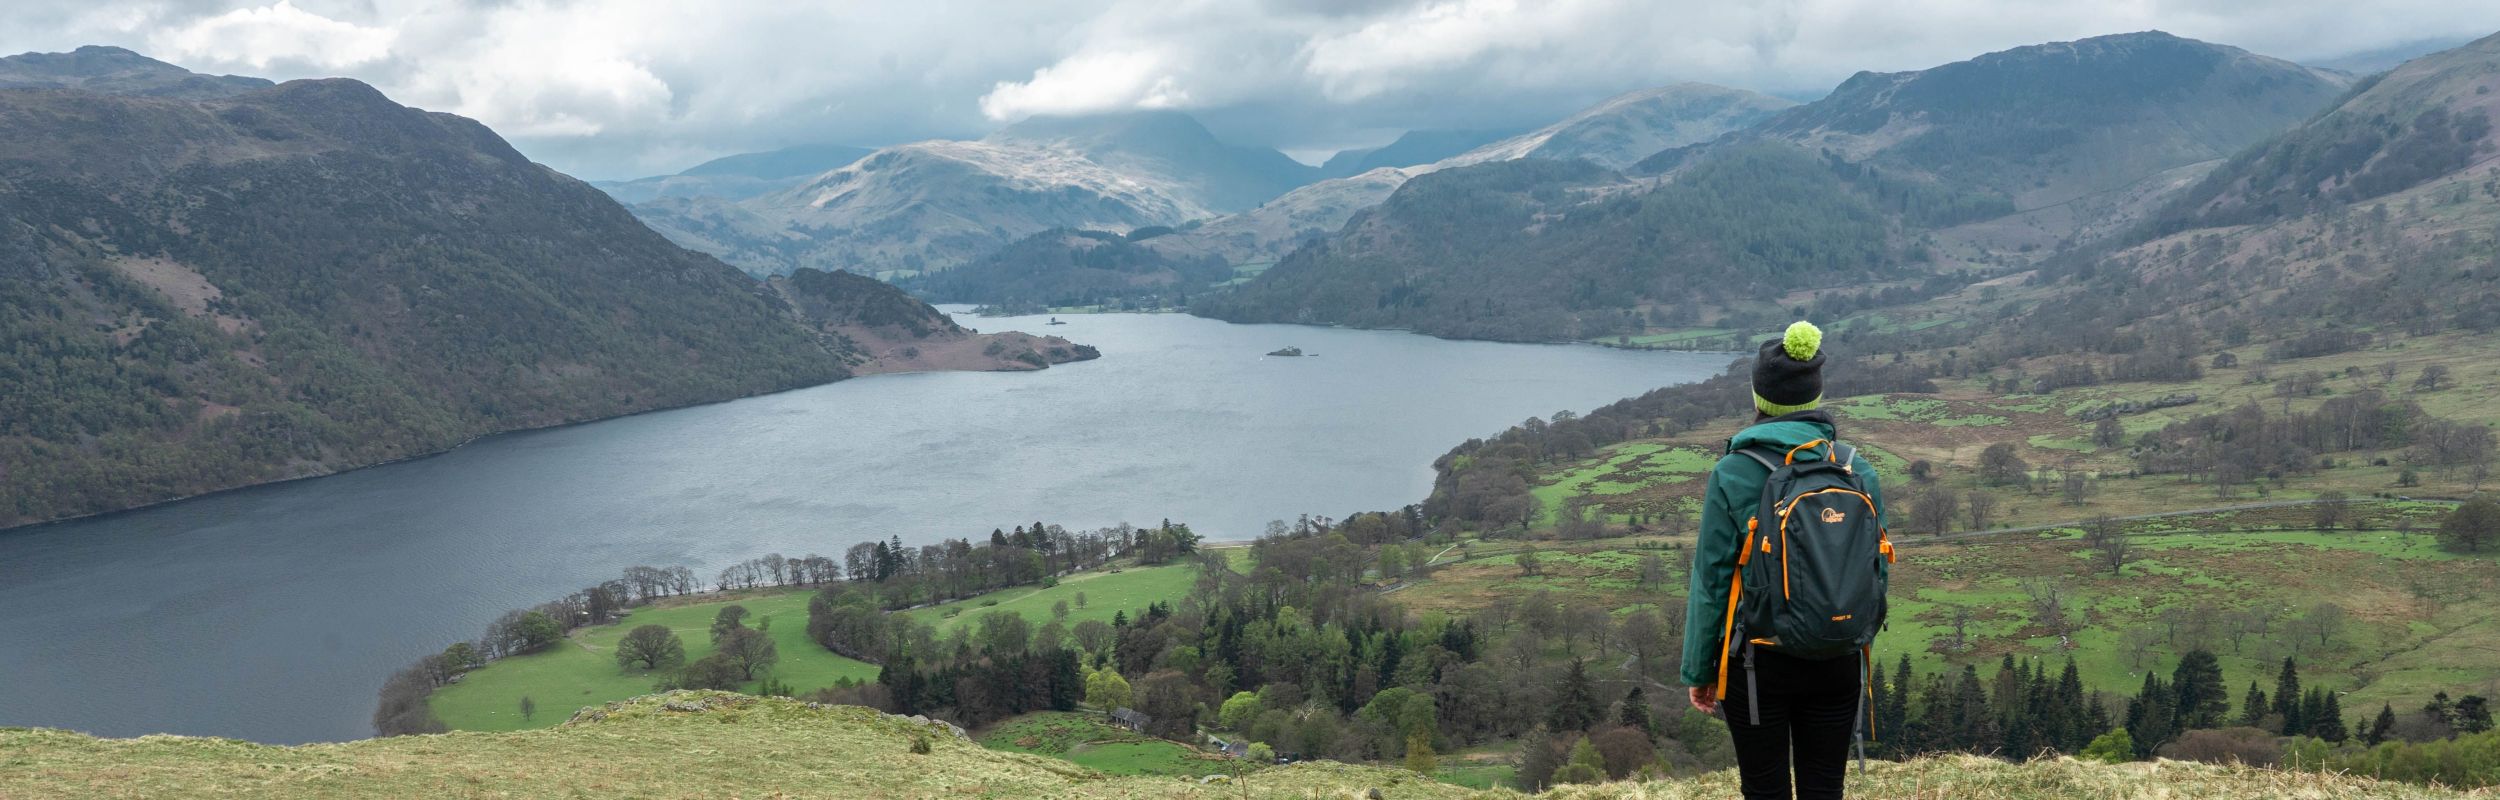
pixel 2328 511
pixel 2078 487
pixel 1961 628
pixel 1932 510
pixel 2326 620
pixel 1981 508
pixel 2433 377
pixel 2109 544
pixel 2048 604
pixel 2138 643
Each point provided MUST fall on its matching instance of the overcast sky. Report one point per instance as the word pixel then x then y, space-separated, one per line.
pixel 620 88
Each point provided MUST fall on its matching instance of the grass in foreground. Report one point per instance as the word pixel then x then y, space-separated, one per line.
pixel 722 745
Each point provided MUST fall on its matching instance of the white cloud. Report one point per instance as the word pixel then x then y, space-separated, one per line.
pixel 1090 83
pixel 611 88
pixel 260 37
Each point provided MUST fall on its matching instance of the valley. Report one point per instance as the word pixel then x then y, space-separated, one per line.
pixel 2173 360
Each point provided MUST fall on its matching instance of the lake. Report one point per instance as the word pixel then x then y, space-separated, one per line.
pixel 273 613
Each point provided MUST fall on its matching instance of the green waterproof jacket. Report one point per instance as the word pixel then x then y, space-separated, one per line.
pixel 1735 492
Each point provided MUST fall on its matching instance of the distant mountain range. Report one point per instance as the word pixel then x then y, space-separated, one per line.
pixel 211 282
pixel 1410 148
pixel 737 177
pixel 932 205
pixel 1891 178
pixel 1618 132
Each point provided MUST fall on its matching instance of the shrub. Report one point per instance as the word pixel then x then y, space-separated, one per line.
pixel 2114 747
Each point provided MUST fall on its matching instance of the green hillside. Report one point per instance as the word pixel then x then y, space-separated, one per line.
pixel 582 670
pixel 713 744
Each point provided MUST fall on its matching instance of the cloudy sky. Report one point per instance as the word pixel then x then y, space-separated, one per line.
pixel 620 88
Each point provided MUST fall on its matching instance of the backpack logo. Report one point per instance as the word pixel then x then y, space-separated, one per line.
pixel 1832 516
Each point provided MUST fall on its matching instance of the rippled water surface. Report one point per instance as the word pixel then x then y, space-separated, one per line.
pixel 274 613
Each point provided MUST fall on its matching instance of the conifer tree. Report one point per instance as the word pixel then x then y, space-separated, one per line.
pixel 1970 712
pixel 2151 716
pixel 2079 726
pixel 1575 704
pixel 2197 683
pixel 2384 725
pixel 2328 722
pixel 1634 713
pixel 1892 715
pixel 2253 709
pixel 2287 699
pixel 2473 714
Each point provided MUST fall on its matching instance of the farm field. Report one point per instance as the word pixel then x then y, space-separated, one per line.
pixel 2249 586
pixel 1107 593
pixel 582 671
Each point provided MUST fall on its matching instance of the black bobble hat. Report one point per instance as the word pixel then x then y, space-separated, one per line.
pixel 1788 374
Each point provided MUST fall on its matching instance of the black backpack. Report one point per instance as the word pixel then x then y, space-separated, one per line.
pixel 1807 579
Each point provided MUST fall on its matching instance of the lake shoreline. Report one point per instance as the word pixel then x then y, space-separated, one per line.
pixel 349 579
pixel 6 530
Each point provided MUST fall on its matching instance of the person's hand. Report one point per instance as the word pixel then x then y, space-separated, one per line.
pixel 1706 699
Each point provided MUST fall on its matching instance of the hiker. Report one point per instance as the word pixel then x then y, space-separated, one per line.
pixel 1788 583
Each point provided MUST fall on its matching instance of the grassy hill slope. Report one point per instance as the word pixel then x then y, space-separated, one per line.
pixel 582 670
pixel 712 744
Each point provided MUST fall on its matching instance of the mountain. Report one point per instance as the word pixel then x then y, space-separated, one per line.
pixel 1628 127
pixel 1063 268
pixel 932 205
pixel 2077 135
pixel 787 162
pixel 1614 133
pixel 1268 232
pixel 2377 214
pixel 1538 250
pixel 2382 59
pixel 112 70
pixel 2420 122
pixel 668 745
pixel 737 177
pixel 1410 148
pixel 1964 167
pixel 202 292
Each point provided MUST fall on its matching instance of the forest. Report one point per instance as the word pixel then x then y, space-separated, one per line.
pixel 902 577
pixel 1295 649
pixel 1075 269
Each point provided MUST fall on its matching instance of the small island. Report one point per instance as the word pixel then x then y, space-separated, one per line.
pixel 1289 351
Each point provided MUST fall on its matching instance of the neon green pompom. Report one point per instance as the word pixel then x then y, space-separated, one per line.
pixel 1802 340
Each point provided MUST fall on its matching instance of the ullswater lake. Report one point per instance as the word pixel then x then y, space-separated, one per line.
pixel 274 613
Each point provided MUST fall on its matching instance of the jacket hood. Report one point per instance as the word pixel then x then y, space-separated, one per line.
pixel 1787 431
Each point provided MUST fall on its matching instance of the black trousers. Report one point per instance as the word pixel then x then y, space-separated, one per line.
pixel 1809 710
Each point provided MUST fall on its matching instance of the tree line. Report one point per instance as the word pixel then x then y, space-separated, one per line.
pixel 907 576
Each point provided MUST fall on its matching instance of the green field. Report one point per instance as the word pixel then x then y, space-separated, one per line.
pixel 2401 639
pixel 1107 592
pixel 582 670
pixel 1617 476
pixel 1477 775
pixel 1084 738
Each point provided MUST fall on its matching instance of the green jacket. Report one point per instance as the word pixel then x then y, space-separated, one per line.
pixel 1735 490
